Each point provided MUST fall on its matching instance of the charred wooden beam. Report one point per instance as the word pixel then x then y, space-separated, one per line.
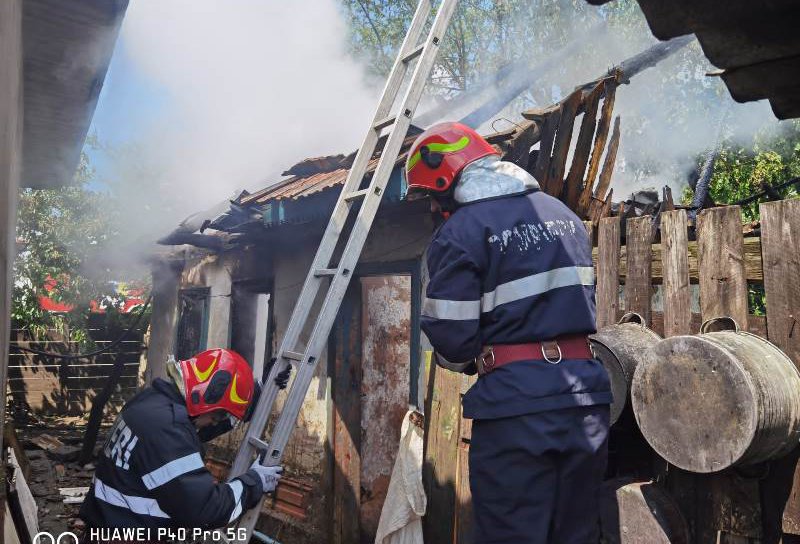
pixel 608 165
pixel 583 146
pixel 555 173
pixel 601 137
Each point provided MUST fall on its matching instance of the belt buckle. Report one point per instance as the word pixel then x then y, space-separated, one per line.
pixel 545 348
pixel 486 359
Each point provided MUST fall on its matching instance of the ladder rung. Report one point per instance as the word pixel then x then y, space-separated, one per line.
pixel 258 444
pixel 385 122
pixel 356 195
pixel 417 51
pixel 320 272
pixel 293 355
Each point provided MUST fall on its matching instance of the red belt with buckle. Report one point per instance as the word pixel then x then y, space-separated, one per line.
pixel 552 351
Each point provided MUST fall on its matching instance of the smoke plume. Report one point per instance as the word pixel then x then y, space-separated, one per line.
pixel 250 88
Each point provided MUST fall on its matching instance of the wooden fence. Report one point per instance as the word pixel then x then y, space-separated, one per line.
pixel 675 284
pixel 49 386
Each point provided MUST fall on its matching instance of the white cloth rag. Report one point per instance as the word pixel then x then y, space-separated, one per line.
pixel 401 517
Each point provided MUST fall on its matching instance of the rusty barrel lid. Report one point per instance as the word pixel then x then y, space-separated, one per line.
pixel 718 399
pixel 634 512
pixel 620 347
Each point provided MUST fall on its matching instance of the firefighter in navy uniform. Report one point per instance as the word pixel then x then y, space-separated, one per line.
pixel 150 472
pixel 511 297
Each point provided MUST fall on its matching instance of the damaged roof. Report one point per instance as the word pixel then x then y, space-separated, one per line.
pixel 317 174
pixel 756 44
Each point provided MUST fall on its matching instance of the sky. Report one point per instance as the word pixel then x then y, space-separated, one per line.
pixel 205 98
pixel 129 102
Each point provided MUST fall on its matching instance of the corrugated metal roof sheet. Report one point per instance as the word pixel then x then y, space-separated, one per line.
pixel 327 174
pixel 756 44
pixel 302 186
pixel 322 173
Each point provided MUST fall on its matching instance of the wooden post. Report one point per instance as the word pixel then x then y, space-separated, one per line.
pixel 780 247
pixel 723 284
pixel 10 166
pixel 442 418
pixel 638 240
pixel 675 255
pixel 608 271
pixel 346 393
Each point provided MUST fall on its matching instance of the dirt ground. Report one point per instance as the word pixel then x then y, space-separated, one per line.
pixel 50 471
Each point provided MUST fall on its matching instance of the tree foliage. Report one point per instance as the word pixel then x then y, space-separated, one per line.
pixel 742 170
pixel 62 234
pixel 485 35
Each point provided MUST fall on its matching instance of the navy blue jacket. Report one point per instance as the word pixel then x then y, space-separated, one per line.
pixel 512 269
pixel 150 472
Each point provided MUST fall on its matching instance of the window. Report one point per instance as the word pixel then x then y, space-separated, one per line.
pixel 193 322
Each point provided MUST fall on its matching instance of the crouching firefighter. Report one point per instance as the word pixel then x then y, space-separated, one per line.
pixel 150 472
pixel 511 297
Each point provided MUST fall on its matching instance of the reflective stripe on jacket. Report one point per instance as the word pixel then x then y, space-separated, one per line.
pixel 511 269
pixel 150 472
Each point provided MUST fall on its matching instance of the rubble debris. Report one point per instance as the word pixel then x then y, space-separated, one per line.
pixel 46 442
pixel 22 504
pixel 66 453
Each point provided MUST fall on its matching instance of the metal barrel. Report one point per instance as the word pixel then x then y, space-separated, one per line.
pixel 634 512
pixel 719 399
pixel 620 347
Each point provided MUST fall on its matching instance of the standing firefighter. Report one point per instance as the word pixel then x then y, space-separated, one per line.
pixel 511 297
pixel 150 472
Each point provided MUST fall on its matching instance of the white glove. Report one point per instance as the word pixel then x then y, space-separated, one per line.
pixel 269 476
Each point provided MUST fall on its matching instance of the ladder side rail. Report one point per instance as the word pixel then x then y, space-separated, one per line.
pixel 332 234
pixel 366 215
pixel 352 252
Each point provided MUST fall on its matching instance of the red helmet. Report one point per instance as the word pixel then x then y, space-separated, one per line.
pixel 440 153
pixel 216 379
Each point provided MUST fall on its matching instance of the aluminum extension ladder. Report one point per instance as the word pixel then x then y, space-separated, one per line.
pixel 338 275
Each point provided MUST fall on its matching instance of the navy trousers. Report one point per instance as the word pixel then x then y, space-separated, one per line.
pixel 535 477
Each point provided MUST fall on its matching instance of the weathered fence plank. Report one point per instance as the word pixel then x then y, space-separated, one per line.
pixel 752 261
pixel 780 246
pixel 608 249
pixel 599 145
pixel 583 146
pixel 638 239
pixel 604 182
pixel 548 128
pixel 728 504
pixel 723 283
pixel 677 295
pixel 555 172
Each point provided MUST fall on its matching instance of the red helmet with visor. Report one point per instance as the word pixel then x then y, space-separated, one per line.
pixel 216 379
pixel 440 153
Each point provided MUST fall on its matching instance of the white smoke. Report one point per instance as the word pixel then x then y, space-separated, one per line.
pixel 251 86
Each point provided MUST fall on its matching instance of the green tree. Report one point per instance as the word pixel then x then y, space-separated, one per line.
pixel 62 234
pixel 485 35
pixel 743 170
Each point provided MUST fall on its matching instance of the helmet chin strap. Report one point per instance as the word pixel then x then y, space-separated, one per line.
pixel 447 199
